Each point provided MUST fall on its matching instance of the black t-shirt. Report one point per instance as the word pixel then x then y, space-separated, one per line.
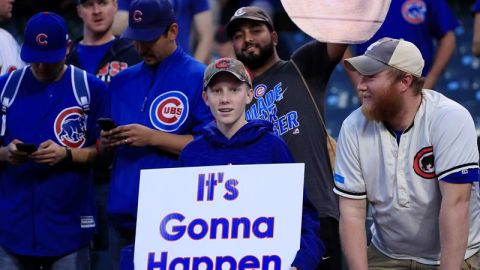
pixel 281 97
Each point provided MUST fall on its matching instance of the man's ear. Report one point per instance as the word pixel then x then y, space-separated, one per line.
pixel 69 47
pixel 274 36
pixel 172 31
pixel 406 81
pixel 78 12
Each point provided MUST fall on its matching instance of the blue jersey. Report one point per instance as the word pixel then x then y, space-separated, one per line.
pixel 48 210
pixel 418 21
pixel 255 143
pixel 185 11
pixel 166 98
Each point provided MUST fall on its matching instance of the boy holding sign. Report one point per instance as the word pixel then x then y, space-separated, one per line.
pixel 230 139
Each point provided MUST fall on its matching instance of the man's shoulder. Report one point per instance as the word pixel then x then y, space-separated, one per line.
pixel 129 73
pixel 439 105
pixel 95 82
pixel 356 119
pixel 191 64
pixel 5 36
pixel 123 46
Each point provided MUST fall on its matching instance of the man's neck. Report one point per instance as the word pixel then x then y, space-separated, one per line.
pixel 93 39
pixel 404 119
pixel 268 64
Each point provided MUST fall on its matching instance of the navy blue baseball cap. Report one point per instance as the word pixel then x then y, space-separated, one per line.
pixel 148 19
pixel 46 39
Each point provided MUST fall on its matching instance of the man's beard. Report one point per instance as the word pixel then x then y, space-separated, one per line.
pixel 256 61
pixel 384 107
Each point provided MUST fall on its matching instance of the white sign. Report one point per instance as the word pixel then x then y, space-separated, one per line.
pixel 338 21
pixel 219 217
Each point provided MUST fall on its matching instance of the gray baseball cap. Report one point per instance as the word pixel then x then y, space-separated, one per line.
pixel 230 65
pixel 249 13
pixel 385 53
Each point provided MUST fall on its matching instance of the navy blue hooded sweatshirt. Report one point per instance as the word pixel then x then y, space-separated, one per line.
pixel 255 143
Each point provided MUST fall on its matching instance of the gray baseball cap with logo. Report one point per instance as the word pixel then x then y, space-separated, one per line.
pixel 230 65
pixel 248 13
pixel 385 53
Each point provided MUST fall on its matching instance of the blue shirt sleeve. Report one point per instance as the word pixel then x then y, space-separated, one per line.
pixel 311 246
pixel 200 6
pixel 441 18
pixel 200 111
pixel 470 175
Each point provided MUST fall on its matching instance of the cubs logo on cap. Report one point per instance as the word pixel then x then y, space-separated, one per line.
pixel 148 19
pixel 46 39
pixel 169 111
pixel 137 16
pixel 229 65
pixel 42 39
pixel 70 127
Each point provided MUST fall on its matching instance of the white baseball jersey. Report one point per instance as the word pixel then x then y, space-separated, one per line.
pixel 400 180
pixel 9 53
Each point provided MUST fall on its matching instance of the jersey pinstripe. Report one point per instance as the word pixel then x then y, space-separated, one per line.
pixel 401 180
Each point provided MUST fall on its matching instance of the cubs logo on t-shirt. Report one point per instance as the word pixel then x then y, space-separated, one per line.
pixel 70 127
pixel 259 91
pixel 414 11
pixel 424 163
pixel 169 111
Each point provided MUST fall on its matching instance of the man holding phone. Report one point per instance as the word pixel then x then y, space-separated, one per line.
pixel 46 199
pixel 157 119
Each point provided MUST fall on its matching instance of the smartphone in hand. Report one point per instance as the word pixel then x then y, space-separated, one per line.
pixel 106 124
pixel 26 147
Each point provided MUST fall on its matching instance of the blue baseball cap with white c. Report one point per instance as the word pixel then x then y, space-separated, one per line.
pixel 148 19
pixel 46 39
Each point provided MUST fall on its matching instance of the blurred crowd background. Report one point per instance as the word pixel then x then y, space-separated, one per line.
pixel 460 81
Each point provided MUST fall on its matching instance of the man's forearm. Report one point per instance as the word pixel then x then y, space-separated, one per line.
pixel 204 27
pixel 354 243
pixel 454 228
pixel 171 143
pixel 445 49
pixel 84 155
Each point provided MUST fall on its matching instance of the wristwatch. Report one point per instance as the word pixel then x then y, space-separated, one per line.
pixel 68 157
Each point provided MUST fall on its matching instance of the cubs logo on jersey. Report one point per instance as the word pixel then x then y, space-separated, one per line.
pixel 70 127
pixel 414 11
pixel 169 111
pixel 424 163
